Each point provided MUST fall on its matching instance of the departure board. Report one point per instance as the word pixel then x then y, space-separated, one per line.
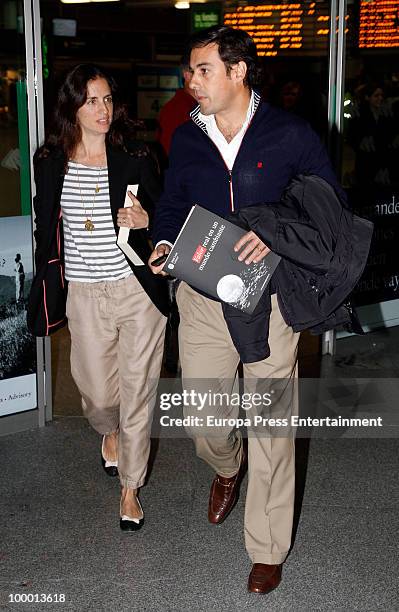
pixel 379 24
pixel 280 29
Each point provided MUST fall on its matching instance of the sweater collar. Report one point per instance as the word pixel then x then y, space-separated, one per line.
pixel 202 120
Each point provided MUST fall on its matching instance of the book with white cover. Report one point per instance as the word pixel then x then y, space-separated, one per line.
pixel 203 256
pixel 123 235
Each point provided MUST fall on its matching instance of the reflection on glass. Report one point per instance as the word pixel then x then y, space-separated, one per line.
pixel 371 149
pixel 372 135
pixel 14 161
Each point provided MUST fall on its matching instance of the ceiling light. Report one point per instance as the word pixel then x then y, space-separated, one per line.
pixel 86 1
pixel 182 5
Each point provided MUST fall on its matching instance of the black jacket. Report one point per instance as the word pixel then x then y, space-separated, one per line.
pixel 47 299
pixel 276 147
pixel 324 249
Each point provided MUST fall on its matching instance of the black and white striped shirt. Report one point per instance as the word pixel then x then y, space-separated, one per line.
pixel 90 256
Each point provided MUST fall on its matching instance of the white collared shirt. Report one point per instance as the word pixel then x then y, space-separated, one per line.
pixel 228 150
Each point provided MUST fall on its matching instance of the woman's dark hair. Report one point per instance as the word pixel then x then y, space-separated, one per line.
pixel 234 46
pixel 64 132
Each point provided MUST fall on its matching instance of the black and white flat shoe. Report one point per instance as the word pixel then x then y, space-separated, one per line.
pixel 110 467
pixel 128 523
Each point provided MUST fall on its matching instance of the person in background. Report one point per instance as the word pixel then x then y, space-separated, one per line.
pixel 291 96
pixel 116 313
pixel 304 100
pixel 19 279
pixel 177 110
pixel 371 133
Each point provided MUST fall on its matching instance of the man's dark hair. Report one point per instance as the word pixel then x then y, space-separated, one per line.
pixel 234 46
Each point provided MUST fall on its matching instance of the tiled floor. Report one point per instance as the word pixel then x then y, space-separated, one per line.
pixel 60 532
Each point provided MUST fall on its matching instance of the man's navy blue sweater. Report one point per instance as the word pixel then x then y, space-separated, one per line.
pixel 277 146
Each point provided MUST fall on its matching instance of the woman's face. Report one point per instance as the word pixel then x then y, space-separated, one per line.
pixel 95 116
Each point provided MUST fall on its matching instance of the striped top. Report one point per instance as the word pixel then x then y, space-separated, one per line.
pixel 90 256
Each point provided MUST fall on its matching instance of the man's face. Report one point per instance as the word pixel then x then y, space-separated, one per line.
pixel 211 86
pixel 290 95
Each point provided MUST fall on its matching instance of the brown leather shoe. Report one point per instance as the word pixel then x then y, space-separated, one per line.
pixel 224 494
pixel 264 578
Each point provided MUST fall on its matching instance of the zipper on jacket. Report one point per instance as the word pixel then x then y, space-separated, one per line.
pixel 231 190
pixel 230 172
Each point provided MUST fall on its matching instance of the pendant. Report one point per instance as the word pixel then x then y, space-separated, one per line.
pixel 97 188
pixel 89 225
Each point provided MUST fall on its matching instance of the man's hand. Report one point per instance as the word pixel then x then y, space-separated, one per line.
pixel 162 249
pixel 254 249
pixel 134 216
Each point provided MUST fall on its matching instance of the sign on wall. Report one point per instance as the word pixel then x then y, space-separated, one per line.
pixel 278 28
pixel 17 345
pixel 379 24
pixel 155 86
pixel 205 16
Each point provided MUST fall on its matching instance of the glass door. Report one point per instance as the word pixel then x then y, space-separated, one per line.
pixel 370 158
pixel 21 363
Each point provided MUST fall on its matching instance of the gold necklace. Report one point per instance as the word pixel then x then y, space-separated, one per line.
pixel 89 225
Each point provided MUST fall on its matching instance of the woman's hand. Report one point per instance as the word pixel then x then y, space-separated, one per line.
pixel 134 216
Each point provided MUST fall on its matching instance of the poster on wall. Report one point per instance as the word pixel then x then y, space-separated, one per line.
pixel 17 345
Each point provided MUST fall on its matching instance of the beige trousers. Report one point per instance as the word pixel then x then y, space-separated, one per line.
pixel 208 355
pixel 117 339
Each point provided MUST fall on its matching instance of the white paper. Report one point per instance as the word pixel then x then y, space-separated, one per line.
pixel 123 235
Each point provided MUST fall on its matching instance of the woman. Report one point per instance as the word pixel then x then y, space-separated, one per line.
pixel 116 313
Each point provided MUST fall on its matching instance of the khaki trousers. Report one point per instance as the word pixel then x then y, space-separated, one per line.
pixel 208 355
pixel 117 339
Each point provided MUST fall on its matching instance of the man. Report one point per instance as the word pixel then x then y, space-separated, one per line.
pixel 19 279
pixel 237 151
pixel 177 110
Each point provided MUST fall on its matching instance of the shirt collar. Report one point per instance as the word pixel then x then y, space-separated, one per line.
pixel 204 121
